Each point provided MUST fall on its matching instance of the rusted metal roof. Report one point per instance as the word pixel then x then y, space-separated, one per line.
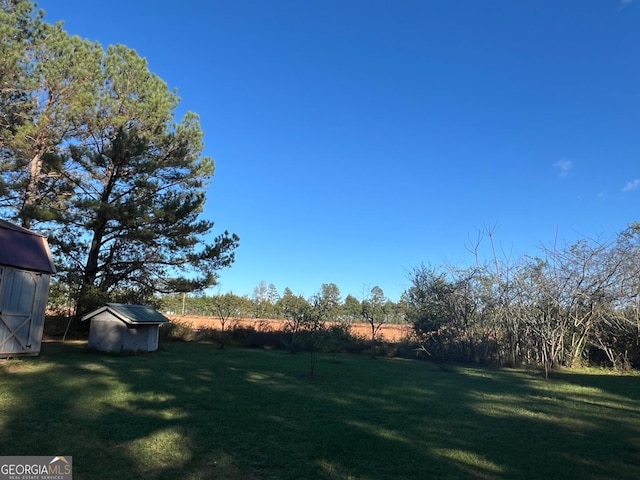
pixel 131 314
pixel 24 249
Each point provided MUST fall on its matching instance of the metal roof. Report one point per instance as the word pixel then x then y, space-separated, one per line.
pixel 24 249
pixel 132 314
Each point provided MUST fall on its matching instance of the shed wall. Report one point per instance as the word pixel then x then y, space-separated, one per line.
pixel 23 301
pixel 108 333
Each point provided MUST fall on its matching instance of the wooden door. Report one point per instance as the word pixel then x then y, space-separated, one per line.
pixel 18 289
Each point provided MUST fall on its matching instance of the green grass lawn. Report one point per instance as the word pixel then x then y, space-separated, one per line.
pixel 192 411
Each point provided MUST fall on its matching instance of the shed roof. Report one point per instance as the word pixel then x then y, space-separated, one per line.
pixel 131 314
pixel 22 248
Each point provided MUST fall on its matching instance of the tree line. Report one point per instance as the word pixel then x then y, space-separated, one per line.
pixel 321 322
pixel 93 156
pixel 374 308
pixel 572 305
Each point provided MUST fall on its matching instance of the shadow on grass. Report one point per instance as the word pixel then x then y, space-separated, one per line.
pixel 193 411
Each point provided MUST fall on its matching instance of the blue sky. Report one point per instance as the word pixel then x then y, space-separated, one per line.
pixel 356 139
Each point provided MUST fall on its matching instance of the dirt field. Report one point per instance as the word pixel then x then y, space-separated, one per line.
pixel 390 333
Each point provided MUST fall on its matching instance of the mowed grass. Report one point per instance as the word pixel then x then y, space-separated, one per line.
pixel 192 411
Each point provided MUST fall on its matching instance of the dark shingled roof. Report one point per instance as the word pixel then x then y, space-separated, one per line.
pixel 24 249
pixel 132 314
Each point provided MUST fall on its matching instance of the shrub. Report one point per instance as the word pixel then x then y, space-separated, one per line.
pixel 177 332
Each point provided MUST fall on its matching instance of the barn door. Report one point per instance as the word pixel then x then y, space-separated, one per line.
pixel 17 296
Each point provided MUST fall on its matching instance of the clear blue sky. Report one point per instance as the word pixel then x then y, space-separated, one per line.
pixel 355 139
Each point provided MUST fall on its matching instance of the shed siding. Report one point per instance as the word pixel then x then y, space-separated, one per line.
pixel 39 309
pixel 109 333
pixel 23 299
pixel 153 337
pixel 106 333
pixel 140 338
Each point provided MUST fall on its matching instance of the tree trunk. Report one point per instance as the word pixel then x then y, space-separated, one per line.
pixel 31 195
pixel 85 303
pixel 578 342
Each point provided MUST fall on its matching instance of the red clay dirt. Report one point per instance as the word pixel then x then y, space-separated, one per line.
pixel 387 332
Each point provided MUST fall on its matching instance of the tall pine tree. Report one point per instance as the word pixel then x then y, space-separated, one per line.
pixel 91 153
pixel 142 181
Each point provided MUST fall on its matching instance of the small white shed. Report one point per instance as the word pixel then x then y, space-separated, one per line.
pixel 120 327
pixel 25 274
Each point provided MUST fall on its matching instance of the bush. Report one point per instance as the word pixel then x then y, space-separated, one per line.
pixel 249 337
pixel 177 332
pixel 333 339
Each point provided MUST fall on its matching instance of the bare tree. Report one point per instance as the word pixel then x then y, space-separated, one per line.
pixel 226 306
pixel 373 313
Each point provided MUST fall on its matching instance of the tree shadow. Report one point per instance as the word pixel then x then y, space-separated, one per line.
pixel 194 411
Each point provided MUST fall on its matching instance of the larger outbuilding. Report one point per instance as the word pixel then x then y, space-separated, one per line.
pixel 118 327
pixel 25 275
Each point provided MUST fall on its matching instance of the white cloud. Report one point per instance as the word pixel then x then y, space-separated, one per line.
pixel 624 4
pixel 632 185
pixel 564 166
